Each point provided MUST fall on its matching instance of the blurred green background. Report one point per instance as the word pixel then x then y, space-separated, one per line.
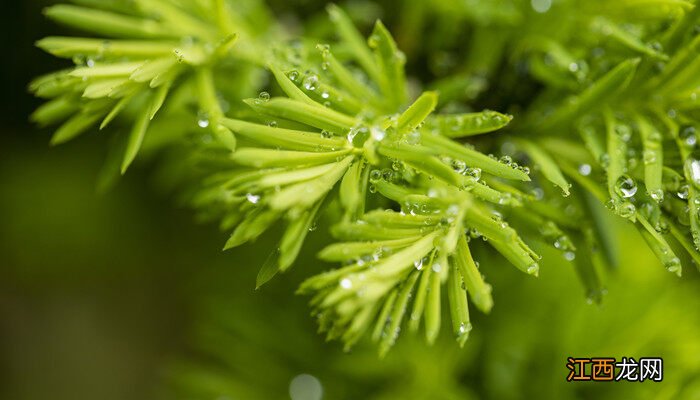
pixel 124 296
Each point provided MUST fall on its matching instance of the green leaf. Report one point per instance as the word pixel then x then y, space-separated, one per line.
pixel 55 111
pixel 138 132
pixel 265 158
pixel 611 30
pixel 352 37
pixel 310 114
pixel 432 309
pixel 480 291
pixel 253 226
pixel 396 317
pixel 390 61
pixel 352 190
pixel 417 112
pixel 75 126
pixel 107 23
pixel 422 294
pixel 268 270
pixel 284 138
pixel 289 88
pixel 459 309
pixel 423 159
pixel 153 68
pixel 294 236
pixel 547 166
pixel 659 246
pixel 69 47
pixel 347 80
pixel 107 70
pixel 351 250
pixel 463 125
pixel 652 157
pixel 594 97
pixel 118 107
pixel 617 153
pixel 472 157
pixel 303 195
pixel 384 315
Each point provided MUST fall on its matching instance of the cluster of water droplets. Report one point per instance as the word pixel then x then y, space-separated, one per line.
pixel 508 160
pixel 553 234
pixel 377 175
pixel 310 82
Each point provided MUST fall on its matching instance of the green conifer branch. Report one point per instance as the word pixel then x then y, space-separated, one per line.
pixel 344 129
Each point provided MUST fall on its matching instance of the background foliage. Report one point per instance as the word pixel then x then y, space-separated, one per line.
pixel 95 283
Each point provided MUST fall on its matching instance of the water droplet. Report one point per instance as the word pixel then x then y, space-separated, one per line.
pixel 305 387
pixel 418 264
pixel 473 172
pixel 569 255
pixel 325 94
pixel 346 283
pixel 387 174
pixel 203 119
pixel 377 133
pixel 623 132
pixel 372 188
pixel 252 198
pixel 375 175
pixel 326 134
pixel 464 328
pixel 505 198
pixel 293 75
pixel 584 169
pixel 541 6
pixel 413 137
pixel 563 243
pixel 373 41
pixel 692 171
pixel 626 187
pixel 272 124
pixel 688 136
pixel 263 97
pixel 179 56
pixel 657 195
pixel 673 265
pixel 533 269
pixel 358 136
pixel 459 166
pixel 537 193
pixel 649 156
pixel 683 192
pixel 627 210
pixel 311 82
pixel 436 267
